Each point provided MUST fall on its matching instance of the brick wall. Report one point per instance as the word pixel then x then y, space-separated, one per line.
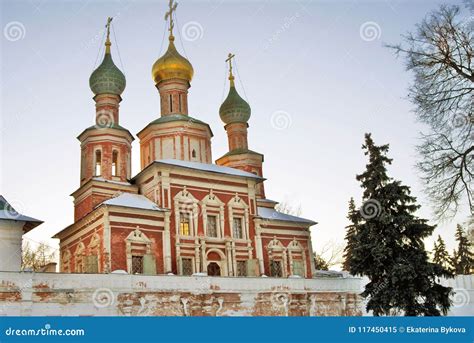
pixel 33 294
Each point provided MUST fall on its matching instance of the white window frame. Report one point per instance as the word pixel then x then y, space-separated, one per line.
pixel 185 202
pixel 238 208
pixel 212 201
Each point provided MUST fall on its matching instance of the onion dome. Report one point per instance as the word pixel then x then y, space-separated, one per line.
pixel 234 109
pixel 107 78
pixel 172 65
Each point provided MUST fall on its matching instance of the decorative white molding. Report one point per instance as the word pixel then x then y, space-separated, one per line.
pixel 211 201
pixel 136 237
pixel 185 202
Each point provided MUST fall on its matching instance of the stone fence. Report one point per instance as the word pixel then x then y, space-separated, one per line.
pixel 331 294
pixel 56 294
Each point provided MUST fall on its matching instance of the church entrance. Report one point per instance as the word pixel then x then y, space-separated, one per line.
pixel 213 269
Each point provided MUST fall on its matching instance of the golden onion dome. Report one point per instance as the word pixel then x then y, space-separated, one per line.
pixel 172 65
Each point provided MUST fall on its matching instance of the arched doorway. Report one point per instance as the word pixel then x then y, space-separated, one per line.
pixel 213 269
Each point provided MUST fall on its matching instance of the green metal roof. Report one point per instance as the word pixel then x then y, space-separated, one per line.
pixel 107 78
pixel 234 109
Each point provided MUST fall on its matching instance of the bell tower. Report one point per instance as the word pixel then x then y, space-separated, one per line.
pixel 175 135
pixel 105 146
pixel 235 113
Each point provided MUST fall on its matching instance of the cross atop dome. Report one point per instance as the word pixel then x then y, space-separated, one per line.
pixel 172 8
pixel 229 59
pixel 107 40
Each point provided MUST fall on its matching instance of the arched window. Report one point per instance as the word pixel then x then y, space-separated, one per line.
pixel 193 153
pixel 171 103
pixel 115 163
pixel 98 163
pixel 180 105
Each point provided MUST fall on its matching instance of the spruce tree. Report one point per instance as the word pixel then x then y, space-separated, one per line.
pixel 441 256
pixel 463 258
pixel 350 233
pixel 389 248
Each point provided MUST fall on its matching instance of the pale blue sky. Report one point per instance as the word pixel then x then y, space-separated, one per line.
pixel 305 59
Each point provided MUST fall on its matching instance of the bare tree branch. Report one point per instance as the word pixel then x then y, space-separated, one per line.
pixel 440 55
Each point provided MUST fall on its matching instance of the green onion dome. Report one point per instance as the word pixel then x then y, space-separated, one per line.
pixel 107 78
pixel 234 109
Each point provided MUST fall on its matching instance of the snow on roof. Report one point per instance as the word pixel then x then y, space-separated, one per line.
pixel 208 167
pixel 271 214
pixel 97 178
pixel 267 200
pixel 134 201
pixel 7 212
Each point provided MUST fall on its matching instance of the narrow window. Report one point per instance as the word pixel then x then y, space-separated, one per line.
pixel 241 268
pixel 137 264
pixel 193 153
pixel 275 268
pixel 187 266
pixel 179 98
pixel 98 163
pixel 237 228
pixel 211 226
pixel 184 224
pixel 298 268
pixel 114 163
pixel 171 103
pixel 79 266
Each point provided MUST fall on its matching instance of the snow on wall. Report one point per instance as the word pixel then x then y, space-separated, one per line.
pixel 463 298
pixel 36 294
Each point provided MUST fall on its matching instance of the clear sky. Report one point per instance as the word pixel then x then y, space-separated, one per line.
pixel 315 73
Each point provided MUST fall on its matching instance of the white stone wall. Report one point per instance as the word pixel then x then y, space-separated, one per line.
pixel 38 294
pixel 11 232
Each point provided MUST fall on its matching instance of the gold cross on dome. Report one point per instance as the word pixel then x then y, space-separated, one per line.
pixel 109 21
pixel 229 59
pixel 172 8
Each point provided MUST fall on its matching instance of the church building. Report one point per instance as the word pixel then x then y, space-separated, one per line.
pixel 183 213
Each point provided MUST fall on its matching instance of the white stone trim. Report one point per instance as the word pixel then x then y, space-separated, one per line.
pixel 136 237
pixel 212 201
pixel 185 202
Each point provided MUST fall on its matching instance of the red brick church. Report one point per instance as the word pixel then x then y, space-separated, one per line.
pixel 182 213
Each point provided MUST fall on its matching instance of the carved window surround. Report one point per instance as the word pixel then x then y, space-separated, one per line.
pixel 79 258
pixel 277 252
pixel 295 249
pixel 136 240
pixel 185 202
pixel 239 209
pixel 212 205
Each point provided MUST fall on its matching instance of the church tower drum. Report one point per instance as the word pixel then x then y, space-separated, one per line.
pixel 106 146
pixel 235 113
pixel 175 135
